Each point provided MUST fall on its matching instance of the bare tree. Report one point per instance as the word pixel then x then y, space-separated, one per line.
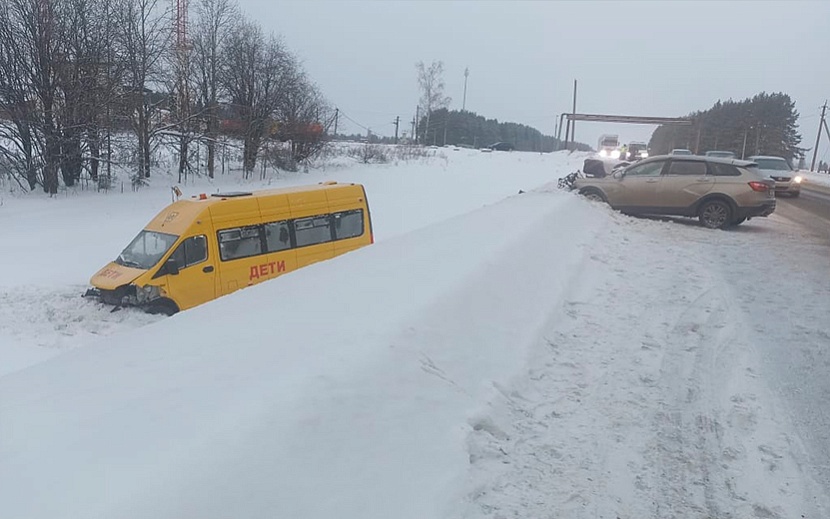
pixel 431 84
pixel 214 22
pixel 180 123
pixel 18 106
pixel 254 68
pixel 33 29
pixel 303 115
pixel 69 69
pixel 83 65
pixel 144 39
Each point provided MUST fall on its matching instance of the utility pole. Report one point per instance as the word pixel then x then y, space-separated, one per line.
pixel 559 131
pixel 573 123
pixel 336 115
pixel 818 136
pixel 556 135
pixel 567 133
pixel 412 135
pixel 464 102
pixel 397 122
pixel 697 142
pixel 758 139
pixel 743 149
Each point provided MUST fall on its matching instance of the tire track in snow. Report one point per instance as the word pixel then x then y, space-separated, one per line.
pixel 642 399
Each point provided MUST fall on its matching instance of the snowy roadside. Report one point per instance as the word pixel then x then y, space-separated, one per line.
pixel 53 246
pixel 284 399
pixel 812 178
pixel 647 395
pixel 538 357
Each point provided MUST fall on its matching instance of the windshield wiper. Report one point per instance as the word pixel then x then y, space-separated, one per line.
pixel 128 263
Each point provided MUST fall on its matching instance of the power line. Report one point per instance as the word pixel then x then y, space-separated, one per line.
pixel 373 112
pixel 361 125
pixel 352 120
pixel 818 135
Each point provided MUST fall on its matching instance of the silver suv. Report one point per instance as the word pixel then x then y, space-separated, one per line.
pixel 720 192
pixel 778 169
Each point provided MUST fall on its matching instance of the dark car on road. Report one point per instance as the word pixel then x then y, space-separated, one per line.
pixel 501 146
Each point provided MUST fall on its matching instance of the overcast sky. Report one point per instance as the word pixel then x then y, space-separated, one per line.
pixel 658 58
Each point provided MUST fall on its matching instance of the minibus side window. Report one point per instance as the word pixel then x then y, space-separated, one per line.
pixel 310 231
pixel 277 236
pixel 191 251
pixel 348 224
pixel 240 242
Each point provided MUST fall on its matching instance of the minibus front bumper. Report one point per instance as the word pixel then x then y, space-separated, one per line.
pixel 125 295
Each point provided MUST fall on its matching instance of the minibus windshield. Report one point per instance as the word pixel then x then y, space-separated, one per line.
pixel 146 249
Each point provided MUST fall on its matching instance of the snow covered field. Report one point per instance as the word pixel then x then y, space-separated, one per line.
pixel 493 355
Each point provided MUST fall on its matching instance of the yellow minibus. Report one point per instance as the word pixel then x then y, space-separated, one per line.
pixel 202 248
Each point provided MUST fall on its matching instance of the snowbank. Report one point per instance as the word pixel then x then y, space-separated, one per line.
pixel 52 246
pixel 250 407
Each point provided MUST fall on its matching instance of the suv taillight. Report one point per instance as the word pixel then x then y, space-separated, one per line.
pixel 759 186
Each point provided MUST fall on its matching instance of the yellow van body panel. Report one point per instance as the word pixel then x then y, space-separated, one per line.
pixel 235 212
pixel 196 283
pixel 343 200
pixel 178 217
pixel 262 213
pixel 274 207
pixel 114 275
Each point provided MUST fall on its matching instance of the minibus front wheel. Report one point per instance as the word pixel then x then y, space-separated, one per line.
pixel 162 306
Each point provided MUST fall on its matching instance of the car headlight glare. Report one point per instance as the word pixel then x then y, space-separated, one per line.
pixel 615 154
pixel 798 179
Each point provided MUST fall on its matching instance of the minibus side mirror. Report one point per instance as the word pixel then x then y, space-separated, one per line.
pixel 171 267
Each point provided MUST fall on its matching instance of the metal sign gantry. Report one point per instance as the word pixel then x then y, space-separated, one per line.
pixel 627 119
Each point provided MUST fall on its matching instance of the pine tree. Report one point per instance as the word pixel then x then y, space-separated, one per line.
pixel 766 124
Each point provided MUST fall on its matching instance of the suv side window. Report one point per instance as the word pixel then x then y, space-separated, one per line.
pixel 723 170
pixel 652 169
pixel 687 168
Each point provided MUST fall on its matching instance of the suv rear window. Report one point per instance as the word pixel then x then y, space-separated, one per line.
pixel 723 170
pixel 774 164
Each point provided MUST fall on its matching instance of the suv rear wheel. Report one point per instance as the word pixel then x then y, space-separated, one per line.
pixel 715 214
